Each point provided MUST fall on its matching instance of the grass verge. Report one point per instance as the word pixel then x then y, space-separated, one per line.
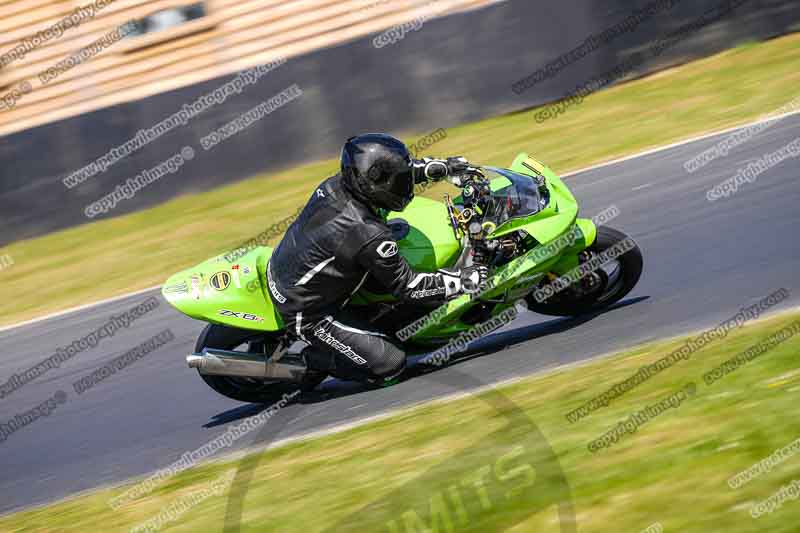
pixel 123 254
pixel 424 463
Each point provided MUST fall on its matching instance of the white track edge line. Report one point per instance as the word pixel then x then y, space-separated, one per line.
pixel 341 427
pixel 567 175
pixel 79 308
pixel 684 142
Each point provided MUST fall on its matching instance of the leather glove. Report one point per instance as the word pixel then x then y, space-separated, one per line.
pixel 434 169
pixel 452 167
pixel 457 166
pixel 473 278
pixel 469 280
pixel 459 170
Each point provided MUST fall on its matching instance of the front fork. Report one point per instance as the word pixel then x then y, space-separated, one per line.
pixel 570 257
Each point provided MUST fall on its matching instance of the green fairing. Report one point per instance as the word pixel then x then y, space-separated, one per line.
pixel 429 246
pixel 430 243
pixel 509 283
pixel 569 258
pixel 513 280
pixel 202 301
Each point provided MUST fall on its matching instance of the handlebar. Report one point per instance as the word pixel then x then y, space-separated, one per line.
pixel 470 176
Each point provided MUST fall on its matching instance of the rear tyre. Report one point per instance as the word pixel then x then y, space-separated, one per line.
pixel 242 389
pixel 617 279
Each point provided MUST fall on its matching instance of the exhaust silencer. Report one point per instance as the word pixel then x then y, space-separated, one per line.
pixel 241 364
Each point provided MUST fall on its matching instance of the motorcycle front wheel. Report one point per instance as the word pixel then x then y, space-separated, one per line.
pixel 615 280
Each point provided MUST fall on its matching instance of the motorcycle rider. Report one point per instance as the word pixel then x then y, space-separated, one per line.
pixel 339 239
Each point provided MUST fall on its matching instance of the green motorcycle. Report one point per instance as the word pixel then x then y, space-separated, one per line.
pixel 521 222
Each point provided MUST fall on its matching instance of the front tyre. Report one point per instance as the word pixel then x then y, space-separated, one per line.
pixel 607 285
pixel 243 389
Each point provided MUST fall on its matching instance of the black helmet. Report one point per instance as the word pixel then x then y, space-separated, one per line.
pixel 378 170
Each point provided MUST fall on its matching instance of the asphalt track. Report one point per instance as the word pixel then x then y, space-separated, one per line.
pixel 704 261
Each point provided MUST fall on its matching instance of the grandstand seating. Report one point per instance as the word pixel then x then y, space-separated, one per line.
pixel 234 35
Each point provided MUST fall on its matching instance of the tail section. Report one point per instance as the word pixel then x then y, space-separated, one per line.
pixel 232 293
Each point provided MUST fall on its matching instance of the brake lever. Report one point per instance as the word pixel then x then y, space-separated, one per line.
pixel 451 212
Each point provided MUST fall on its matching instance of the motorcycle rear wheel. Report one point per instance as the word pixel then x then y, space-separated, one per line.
pixel 250 390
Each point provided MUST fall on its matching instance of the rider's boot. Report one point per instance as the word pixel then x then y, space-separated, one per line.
pixel 321 362
pixel 388 381
pixel 318 367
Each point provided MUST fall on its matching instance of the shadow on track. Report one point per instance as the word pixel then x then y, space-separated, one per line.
pixel 545 459
pixel 503 341
pixel 237 413
pixel 334 388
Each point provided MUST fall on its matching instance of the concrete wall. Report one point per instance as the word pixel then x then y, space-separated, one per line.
pixel 460 68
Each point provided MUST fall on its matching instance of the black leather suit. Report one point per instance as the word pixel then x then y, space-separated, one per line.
pixel 325 256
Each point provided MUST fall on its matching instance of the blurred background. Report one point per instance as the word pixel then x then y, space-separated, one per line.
pixel 88 82
pixel 460 68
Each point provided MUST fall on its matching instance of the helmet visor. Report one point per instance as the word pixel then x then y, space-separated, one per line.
pixel 402 183
pixel 398 191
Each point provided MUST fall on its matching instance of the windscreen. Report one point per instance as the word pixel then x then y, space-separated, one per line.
pixel 517 196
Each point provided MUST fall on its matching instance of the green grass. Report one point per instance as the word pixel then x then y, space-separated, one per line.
pixel 673 470
pixel 119 255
